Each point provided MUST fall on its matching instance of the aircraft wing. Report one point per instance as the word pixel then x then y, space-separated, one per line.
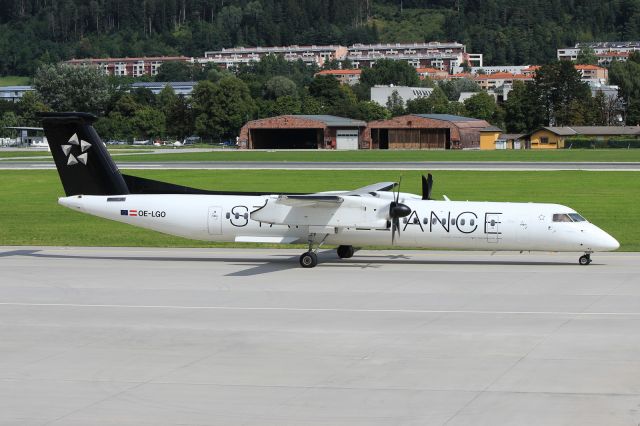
pixel 380 186
pixel 328 211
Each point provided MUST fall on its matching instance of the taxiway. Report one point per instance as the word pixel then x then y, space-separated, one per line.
pixel 135 336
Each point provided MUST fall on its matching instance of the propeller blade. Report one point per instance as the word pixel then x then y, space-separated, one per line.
pixel 398 193
pixel 427 184
pixel 395 226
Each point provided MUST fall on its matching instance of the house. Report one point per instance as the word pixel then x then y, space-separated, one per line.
pixel 559 137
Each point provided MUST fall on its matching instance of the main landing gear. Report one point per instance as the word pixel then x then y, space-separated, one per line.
pixel 345 252
pixel 585 259
pixel 309 259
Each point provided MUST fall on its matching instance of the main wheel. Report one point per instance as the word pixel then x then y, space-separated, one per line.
pixel 308 259
pixel 345 252
pixel 584 260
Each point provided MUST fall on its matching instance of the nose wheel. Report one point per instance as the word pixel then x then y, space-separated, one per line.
pixel 585 259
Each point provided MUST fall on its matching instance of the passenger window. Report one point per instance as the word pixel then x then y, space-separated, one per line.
pixel 462 222
pixel 425 221
pixel 228 215
pixel 444 222
pixel 472 222
pixel 237 215
pixel 416 221
pixel 453 221
pixel 246 215
pixel 433 221
pixel 493 222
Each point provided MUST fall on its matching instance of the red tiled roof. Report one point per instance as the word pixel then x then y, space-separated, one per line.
pixel 340 72
pixel 589 67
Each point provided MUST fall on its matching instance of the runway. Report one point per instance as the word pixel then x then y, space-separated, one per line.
pixel 136 336
pixel 291 165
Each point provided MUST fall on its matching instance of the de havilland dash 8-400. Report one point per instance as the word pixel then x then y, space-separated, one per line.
pixel 378 214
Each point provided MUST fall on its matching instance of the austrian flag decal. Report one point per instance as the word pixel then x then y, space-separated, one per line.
pixel 128 212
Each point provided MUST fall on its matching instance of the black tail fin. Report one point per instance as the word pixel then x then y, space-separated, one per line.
pixel 82 160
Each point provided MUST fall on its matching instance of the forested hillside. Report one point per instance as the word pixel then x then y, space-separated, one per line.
pixel 33 32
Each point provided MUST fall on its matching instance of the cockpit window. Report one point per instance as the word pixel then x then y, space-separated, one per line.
pixel 577 218
pixel 561 217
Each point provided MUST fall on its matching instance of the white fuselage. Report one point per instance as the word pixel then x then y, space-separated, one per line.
pixel 432 224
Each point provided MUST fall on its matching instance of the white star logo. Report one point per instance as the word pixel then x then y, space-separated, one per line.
pixel 81 146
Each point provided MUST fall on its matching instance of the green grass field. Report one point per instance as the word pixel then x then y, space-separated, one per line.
pixel 30 215
pixel 184 154
pixel 14 80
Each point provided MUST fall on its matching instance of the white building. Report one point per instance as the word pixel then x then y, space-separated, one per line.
pixel 381 94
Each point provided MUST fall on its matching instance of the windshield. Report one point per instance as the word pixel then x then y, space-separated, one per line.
pixel 568 217
pixel 577 218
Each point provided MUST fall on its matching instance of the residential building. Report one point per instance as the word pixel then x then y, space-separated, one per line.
pixel 233 57
pixel 381 94
pixel 134 67
pixel 606 52
pixel 349 77
pixel 592 73
pixel 432 73
pixel 183 88
pixel 14 93
pixel 442 56
pixel 500 79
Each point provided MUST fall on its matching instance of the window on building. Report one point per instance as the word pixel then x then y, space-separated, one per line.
pixel 544 140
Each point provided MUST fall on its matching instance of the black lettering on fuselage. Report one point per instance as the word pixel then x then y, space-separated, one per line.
pixel 443 222
pixel 467 228
pixel 239 216
pixel 413 219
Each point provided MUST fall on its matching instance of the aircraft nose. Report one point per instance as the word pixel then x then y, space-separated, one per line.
pixel 606 242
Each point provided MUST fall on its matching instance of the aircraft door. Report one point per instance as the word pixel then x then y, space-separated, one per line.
pixel 492 227
pixel 214 220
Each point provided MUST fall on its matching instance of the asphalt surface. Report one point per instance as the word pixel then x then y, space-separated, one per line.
pixel 134 336
pixel 291 165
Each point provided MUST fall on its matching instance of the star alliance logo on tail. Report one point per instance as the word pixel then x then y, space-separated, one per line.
pixel 81 145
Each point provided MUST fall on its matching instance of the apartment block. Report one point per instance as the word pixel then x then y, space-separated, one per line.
pixel 135 67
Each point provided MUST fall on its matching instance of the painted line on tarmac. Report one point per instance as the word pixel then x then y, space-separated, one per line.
pixel 332 310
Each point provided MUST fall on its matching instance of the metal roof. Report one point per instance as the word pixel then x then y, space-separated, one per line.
pixel 594 130
pixel 446 117
pixel 333 121
pixel 491 129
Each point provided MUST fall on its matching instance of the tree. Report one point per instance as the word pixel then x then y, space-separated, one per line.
pixel 395 104
pixel 453 88
pixel 68 88
pixel 175 71
pixel 148 123
pixel 560 88
pixel 279 86
pixel 370 111
pixel 587 56
pixel 8 119
pixel 389 71
pixel 28 108
pixel 626 75
pixel 222 108
pixel 481 105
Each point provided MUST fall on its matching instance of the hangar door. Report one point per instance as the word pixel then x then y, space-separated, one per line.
pixel 347 139
pixel 286 138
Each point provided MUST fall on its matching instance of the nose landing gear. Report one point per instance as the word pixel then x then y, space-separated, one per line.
pixel 585 259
